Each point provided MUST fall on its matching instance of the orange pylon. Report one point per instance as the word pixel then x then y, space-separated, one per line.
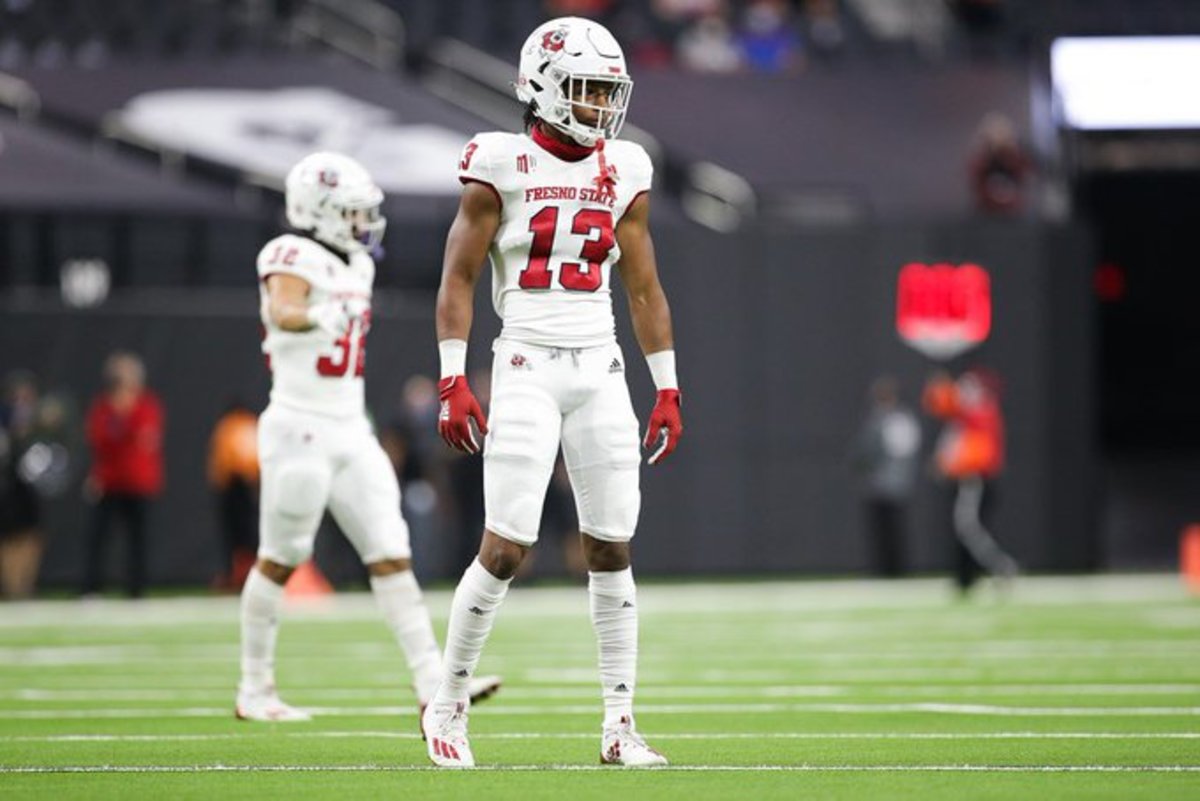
pixel 1189 557
pixel 307 581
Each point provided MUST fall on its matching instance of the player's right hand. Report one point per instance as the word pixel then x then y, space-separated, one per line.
pixel 459 407
pixel 332 316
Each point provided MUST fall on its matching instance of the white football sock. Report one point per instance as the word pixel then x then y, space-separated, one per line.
pixel 476 600
pixel 613 598
pixel 261 599
pixel 400 600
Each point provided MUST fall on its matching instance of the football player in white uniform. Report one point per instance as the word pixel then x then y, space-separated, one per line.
pixel 315 443
pixel 555 208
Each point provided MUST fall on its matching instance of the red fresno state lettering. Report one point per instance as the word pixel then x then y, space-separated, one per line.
pixel 586 194
pixel 551 193
pixel 590 194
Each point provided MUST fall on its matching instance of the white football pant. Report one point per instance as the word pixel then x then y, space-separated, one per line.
pixel 310 462
pixel 574 397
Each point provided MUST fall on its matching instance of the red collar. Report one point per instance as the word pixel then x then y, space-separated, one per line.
pixel 567 151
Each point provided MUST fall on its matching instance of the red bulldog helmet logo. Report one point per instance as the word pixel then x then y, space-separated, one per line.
pixel 553 41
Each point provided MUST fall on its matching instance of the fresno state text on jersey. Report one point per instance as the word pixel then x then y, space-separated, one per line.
pixel 316 371
pixel 554 251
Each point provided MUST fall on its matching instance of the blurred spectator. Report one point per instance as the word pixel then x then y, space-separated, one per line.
pixel 826 33
pixel 412 444
pixel 34 462
pixel 124 430
pixel 970 453
pixel 233 475
pixel 886 454
pixel 655 31
pixel 999 167
pixel 592 9
pixel 407 439
pixel 708 44
pixel 768 38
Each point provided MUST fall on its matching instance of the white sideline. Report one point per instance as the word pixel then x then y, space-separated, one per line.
pixel 406 735
pixel 599 768
pixel 690 597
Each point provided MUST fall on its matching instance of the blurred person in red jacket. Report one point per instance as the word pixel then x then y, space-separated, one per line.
pixel 970 453
pixel 124 430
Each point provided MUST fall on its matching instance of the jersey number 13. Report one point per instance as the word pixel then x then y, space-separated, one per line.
pixel 594 225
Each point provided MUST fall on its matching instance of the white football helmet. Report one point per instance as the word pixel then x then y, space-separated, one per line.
pixel 334 197
pixel 567 58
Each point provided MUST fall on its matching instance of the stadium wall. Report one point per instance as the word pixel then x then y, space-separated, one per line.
pixel 779 333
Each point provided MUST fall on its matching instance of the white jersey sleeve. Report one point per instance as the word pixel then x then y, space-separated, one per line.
pixel 475 165
pixel 314 370
pixel 295 255
pixel 553 254
pixel 635 170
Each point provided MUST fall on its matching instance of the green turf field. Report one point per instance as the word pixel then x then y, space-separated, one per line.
pixel 1070 689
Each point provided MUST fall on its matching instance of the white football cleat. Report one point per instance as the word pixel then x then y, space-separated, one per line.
pixel 445 728
pixel 267 707
pixel 622 745
pixel 478 690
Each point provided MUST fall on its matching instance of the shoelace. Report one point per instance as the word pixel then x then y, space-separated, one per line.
pixel 456 723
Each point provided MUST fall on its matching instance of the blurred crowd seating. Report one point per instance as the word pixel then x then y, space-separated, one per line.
pixel 706 35
pixel 53 32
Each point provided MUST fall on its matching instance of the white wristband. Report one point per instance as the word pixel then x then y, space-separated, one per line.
pixel 453 354
pixel 662 369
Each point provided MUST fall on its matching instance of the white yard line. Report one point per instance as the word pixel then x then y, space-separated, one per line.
pixel 735 680
pixel 665 709
pixel 152 658
pixel 601 768
pixel 673 690
pixel 714 736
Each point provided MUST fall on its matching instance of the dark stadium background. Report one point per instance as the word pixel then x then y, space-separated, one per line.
pixel 786 203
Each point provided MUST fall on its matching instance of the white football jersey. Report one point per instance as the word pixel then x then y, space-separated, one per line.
pixel 554 251
pixel 316 371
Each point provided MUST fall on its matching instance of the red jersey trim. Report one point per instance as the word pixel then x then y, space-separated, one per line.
pixel 566 151
pixel 630 203
pixel 466 179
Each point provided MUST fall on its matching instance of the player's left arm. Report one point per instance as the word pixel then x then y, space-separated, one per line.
pixel 289 308
pixel 651 324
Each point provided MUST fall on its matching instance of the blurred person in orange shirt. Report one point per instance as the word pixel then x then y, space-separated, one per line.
pixel 233 475
pixel 125 431
pixel 970 453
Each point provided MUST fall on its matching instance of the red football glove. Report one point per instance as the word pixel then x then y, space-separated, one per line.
pixel 666 425
pixel 458 408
